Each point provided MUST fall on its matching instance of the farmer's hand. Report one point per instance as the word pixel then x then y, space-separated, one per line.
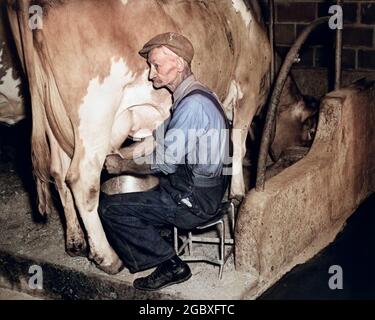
pixel 113 164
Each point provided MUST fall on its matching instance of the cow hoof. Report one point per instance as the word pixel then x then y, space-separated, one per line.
pixel 112 269
pixel 77 249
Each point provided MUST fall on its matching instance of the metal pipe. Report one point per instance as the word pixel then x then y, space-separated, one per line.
pixel 275 99
pixel 338 58
pixel 271 31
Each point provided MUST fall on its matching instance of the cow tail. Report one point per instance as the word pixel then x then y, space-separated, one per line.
pixel 40 149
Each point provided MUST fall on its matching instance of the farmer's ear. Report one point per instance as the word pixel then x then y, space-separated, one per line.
pixel 180 64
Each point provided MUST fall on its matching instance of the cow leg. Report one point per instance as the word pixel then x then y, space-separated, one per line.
pixel 230 105
pixel 244 113
pixel 84 180
pixel 75 238
pixel 83 177
pixel 243 109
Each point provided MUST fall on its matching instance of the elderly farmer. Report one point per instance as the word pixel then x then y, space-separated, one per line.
pixel 192 184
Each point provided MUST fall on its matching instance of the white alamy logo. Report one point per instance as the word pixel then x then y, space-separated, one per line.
pixel 336 21
pixel 36 279
pixel 36 19
pixel 336 282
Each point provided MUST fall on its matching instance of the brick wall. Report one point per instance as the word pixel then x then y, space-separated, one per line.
pixel 358 34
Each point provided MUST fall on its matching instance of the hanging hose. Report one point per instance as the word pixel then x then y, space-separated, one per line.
pixel 275 99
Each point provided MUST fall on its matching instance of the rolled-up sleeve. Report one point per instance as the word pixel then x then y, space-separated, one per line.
pixel 189 121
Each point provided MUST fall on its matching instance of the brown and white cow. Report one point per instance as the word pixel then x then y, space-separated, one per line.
pixel 11 101
pixel 90 90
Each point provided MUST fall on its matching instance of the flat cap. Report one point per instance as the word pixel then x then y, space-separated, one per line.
pixel 175 42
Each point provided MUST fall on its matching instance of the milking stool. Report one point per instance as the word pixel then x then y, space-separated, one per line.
pixel 226 208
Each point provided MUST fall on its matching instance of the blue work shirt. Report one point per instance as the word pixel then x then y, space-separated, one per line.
pixel 195 134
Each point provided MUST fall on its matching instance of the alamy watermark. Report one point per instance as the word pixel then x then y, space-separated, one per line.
pixel 336 281
pixel 337 20
pixel 36 278
pixel 193 146
pixel 36 19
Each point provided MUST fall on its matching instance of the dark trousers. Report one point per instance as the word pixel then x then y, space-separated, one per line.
pixel 132 223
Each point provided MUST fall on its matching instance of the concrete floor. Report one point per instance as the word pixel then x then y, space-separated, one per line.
pixel 6 294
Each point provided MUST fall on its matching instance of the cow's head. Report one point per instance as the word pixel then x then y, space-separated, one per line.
pixel 296 120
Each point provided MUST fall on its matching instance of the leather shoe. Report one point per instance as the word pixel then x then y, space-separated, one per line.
pixel 170 272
